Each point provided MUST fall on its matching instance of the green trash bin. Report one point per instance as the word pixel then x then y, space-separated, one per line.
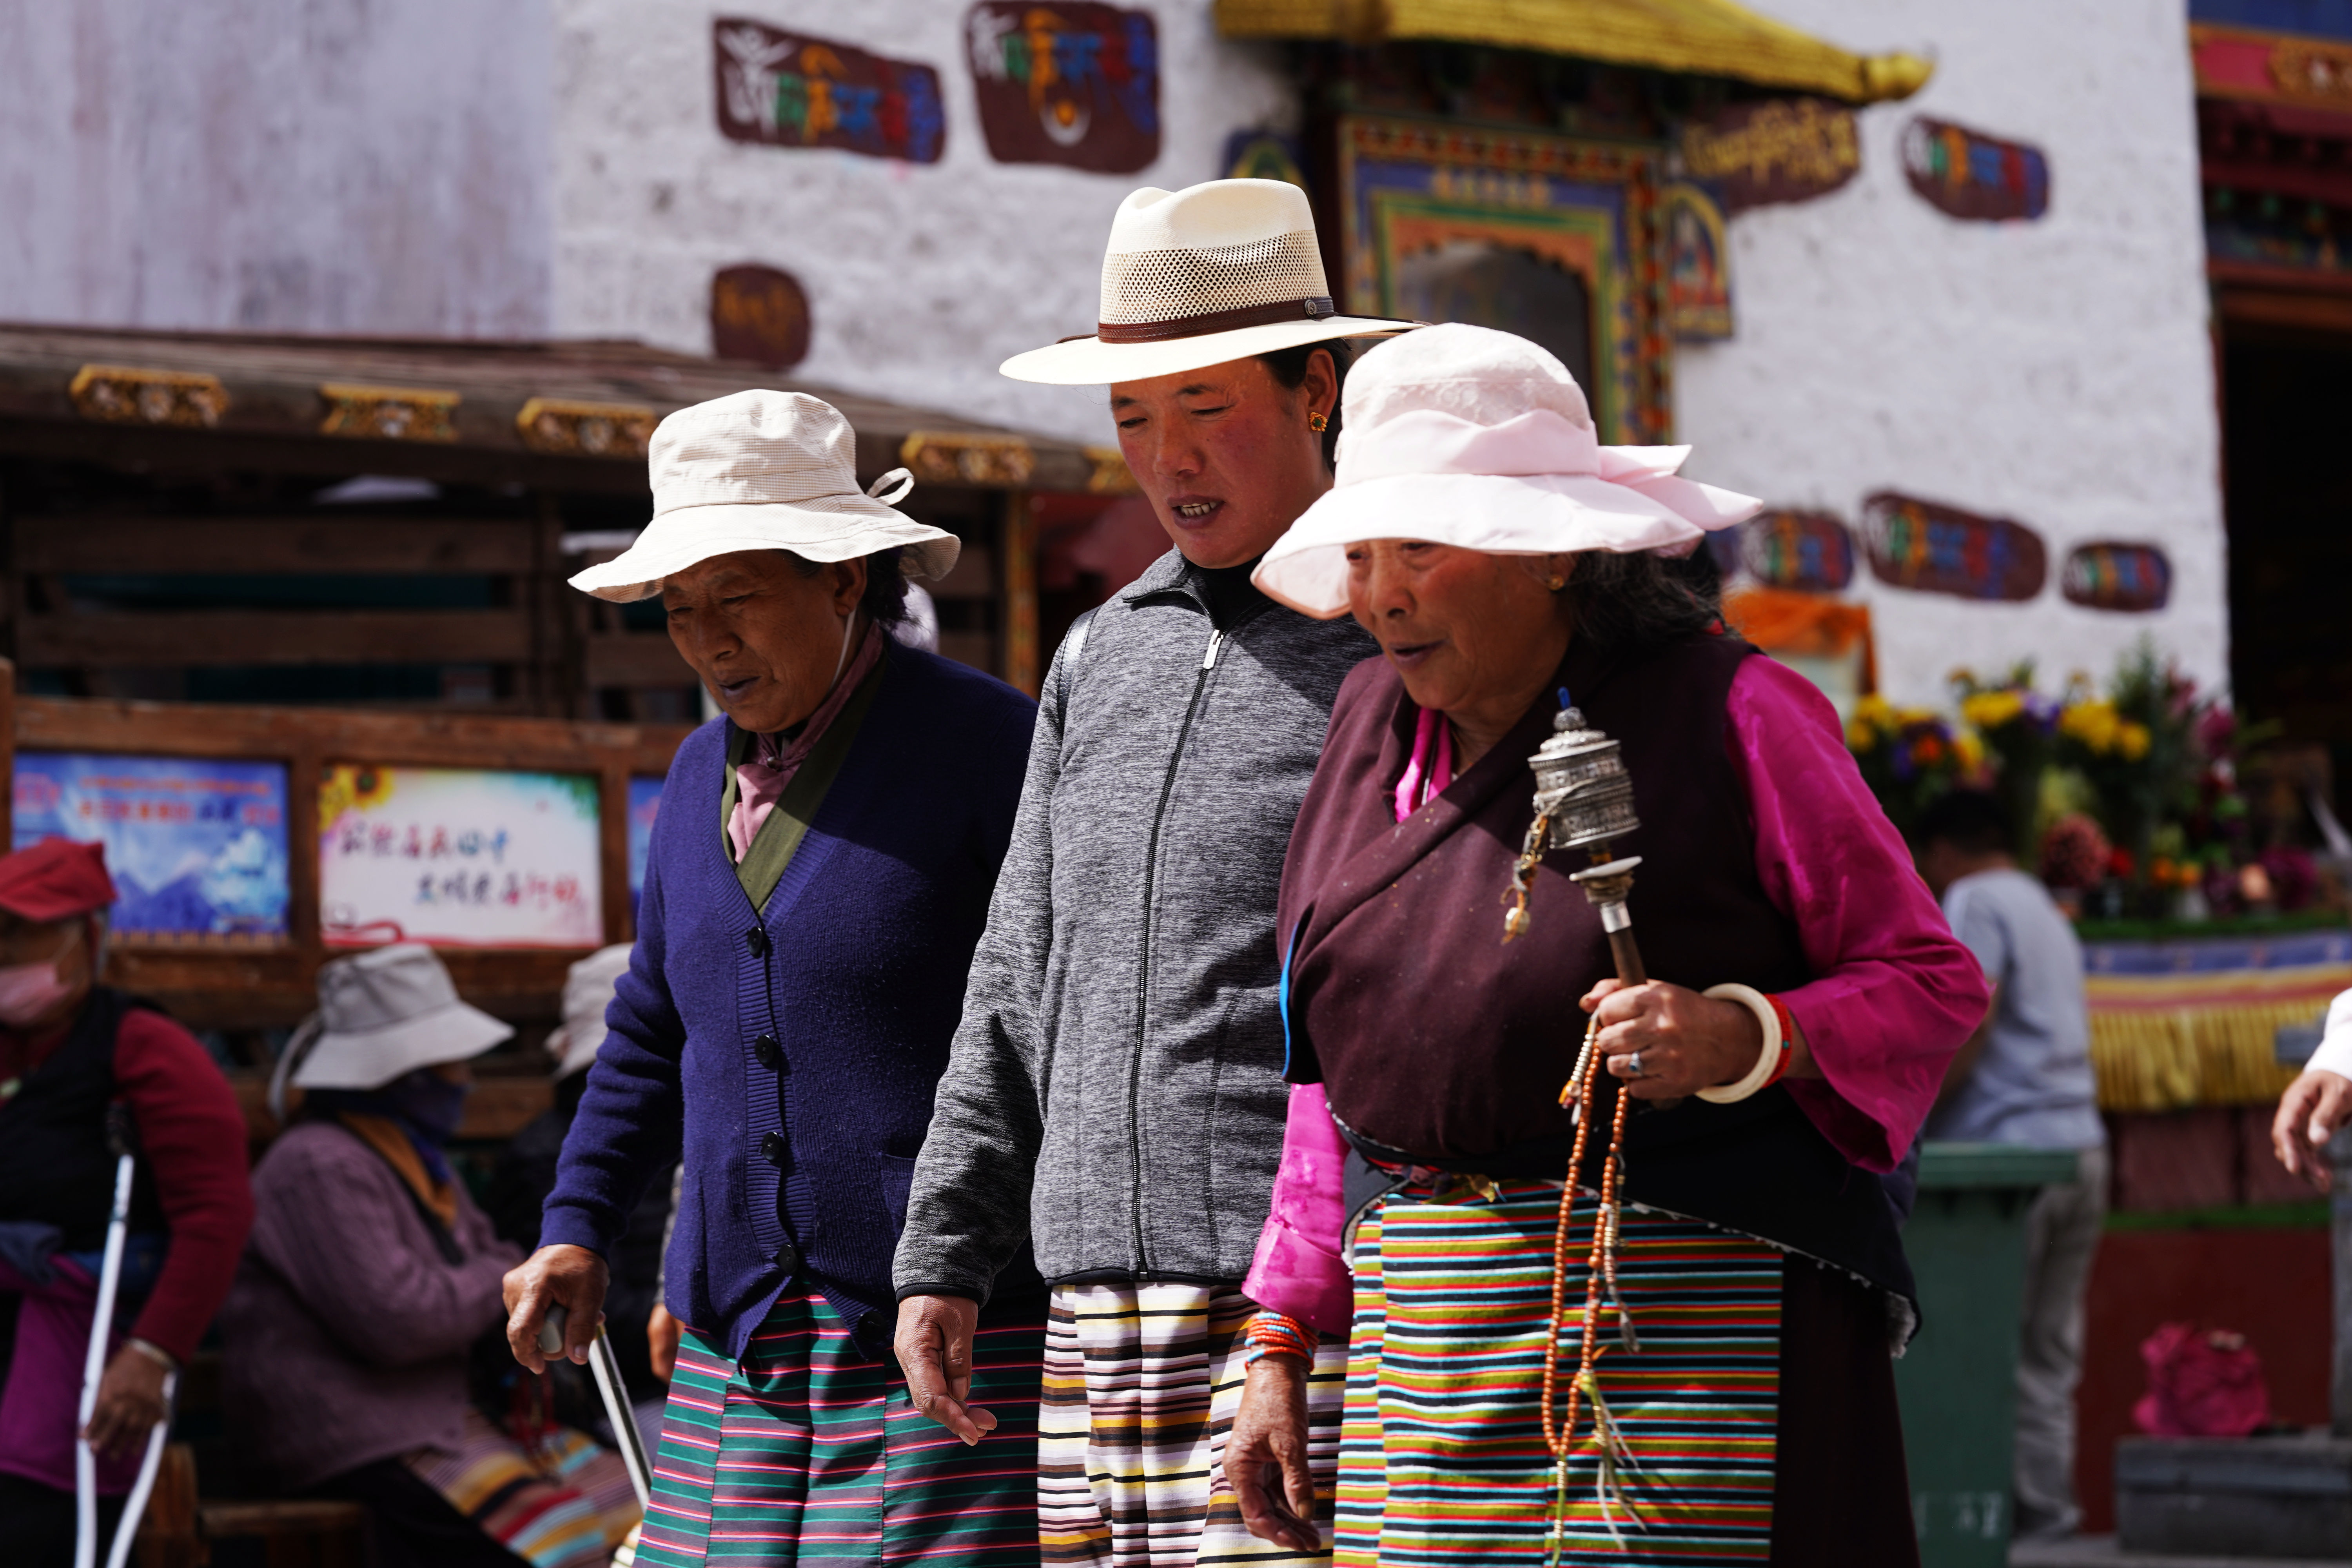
pixel 1958 1382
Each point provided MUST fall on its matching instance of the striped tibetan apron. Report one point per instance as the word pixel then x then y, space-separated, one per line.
pixel 809 1453
pixel 1441 1452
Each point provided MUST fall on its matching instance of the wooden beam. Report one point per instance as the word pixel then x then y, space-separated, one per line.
pixel 635 660
pixel 114 641
pixel 408 545
pixel 1019 534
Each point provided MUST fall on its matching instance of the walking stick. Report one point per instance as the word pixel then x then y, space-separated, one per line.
pixel 101 1324
pixel 607 1368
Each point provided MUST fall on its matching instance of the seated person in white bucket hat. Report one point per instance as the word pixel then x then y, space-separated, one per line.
pixel 1118 1076
pixel 817 879
pixel 368 1275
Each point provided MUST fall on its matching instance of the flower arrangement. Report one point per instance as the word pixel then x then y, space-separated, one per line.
pixel 1909 756
pixel 2017 724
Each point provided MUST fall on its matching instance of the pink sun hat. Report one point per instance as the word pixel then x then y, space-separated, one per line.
pixel 1465 436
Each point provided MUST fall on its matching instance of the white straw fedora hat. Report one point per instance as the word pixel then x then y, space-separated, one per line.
pixel 587 992
pixel 381 1014
pixel 763 471
pixel 1465 436
pixel 1198 277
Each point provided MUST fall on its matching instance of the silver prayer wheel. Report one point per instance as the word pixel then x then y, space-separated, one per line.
pixel 1581 785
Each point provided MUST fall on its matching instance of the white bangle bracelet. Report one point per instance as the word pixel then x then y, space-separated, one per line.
pixel 1766 1060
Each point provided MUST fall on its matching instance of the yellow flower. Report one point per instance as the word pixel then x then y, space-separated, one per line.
pixel 1991 709
pixel 2132 739
pixel 2094 722
pixel 1970 750
pixel 1908 716
pixel 1873 709
pixel 1860 736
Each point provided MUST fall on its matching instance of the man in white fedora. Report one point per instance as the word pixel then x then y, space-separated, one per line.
pixel 1115 1090
pixel 817 879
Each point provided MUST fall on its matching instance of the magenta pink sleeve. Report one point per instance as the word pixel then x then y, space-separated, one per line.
pixel 1298 1270
pixel 1895 994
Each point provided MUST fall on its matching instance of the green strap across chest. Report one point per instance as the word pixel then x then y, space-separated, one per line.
pixel 780 836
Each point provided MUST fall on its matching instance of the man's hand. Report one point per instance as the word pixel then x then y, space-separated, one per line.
pixel 934 1350
pixel 662 1332
pixel 1265 1458
pixel 129 1403
pixel 571 1278
pixel 2313 1106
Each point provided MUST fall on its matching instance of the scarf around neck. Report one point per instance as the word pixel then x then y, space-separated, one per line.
pixel 761 777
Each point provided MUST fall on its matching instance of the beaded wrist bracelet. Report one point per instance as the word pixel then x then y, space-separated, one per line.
pixel 1270 1333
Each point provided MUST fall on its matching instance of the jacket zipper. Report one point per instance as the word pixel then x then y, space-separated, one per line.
pixel 1143 991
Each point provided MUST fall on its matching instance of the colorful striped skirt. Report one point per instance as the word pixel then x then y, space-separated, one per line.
pixel 1442 1458
pixel 809 1453
pixel 1143 1383
pixel 564 1502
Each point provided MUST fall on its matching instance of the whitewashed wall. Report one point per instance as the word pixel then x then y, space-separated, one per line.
pixel 921 277
pixel 314 165
pixel 2055 372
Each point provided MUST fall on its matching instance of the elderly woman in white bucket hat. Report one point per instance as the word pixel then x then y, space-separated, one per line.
pixel 369 1273
pixel 1117 1078
pixel 1724 1394
pixel 816 882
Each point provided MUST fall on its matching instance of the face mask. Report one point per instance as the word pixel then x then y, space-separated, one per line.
pixel 430 1103
pixel 28 991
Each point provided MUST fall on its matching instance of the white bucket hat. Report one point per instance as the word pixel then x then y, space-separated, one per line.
pixel 763 471
pixel 587 991
pixel 381 1014
pixel 1465 436
pixel 1200 277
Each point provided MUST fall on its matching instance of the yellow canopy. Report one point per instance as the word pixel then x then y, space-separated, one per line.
pixel 1710 37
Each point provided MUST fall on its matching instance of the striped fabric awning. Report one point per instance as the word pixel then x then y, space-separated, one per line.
pixel 2190 1021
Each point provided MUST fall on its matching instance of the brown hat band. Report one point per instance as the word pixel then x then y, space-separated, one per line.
pixel 1312 309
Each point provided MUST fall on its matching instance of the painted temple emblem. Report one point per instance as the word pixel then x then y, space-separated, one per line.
pixel 1698 265
pixel 1972 176
pixel 759 315
pixel 1076 84
pixel 1810 551
pixel 2112 575
pixel 1783 149
pixel 1936 549
pixel 777 88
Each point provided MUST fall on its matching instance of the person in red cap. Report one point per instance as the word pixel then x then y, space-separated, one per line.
pixel 70 1049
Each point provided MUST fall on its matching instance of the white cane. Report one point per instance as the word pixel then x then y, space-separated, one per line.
pixel 110 1285
pixel 607 1368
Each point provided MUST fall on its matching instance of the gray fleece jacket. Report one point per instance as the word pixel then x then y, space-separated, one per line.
pixel 1114 1090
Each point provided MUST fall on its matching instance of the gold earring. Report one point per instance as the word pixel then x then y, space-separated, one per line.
pixel 1317 423
pixel 1558 582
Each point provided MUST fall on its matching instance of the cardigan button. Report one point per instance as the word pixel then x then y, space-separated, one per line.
pixel 756 938
pixel 770 1051
pixel 771 1148
pixel 788 1256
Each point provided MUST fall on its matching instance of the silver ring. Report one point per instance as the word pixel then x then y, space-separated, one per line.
pixel 1634 1065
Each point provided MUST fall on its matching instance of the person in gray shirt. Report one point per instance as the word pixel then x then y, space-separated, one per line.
pixel 2025 1078
pixel 1115 1093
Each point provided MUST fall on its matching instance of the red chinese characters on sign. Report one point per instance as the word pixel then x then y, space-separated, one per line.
pixel 1971 175
pixel 1073 84
pixel 2113 575
pixel 787 89
pixel 759 315
pixel 1936 549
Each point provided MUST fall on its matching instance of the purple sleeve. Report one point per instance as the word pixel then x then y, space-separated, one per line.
pixel 1894 994
pixel 1298 1270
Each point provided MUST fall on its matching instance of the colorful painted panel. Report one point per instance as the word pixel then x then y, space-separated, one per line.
pixel 1264 155
pixel 645 804
pixel 1936 549
pixel 197 846
pixel 1556 238
pixel 759 315
pixel 1972 176
pixel 2113 575
pixel 1698 265
pixel 1782 150
pixel 1075 84
pixel 2266 67
pixel 788 89
pixel 1810 551
pixel 458 858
